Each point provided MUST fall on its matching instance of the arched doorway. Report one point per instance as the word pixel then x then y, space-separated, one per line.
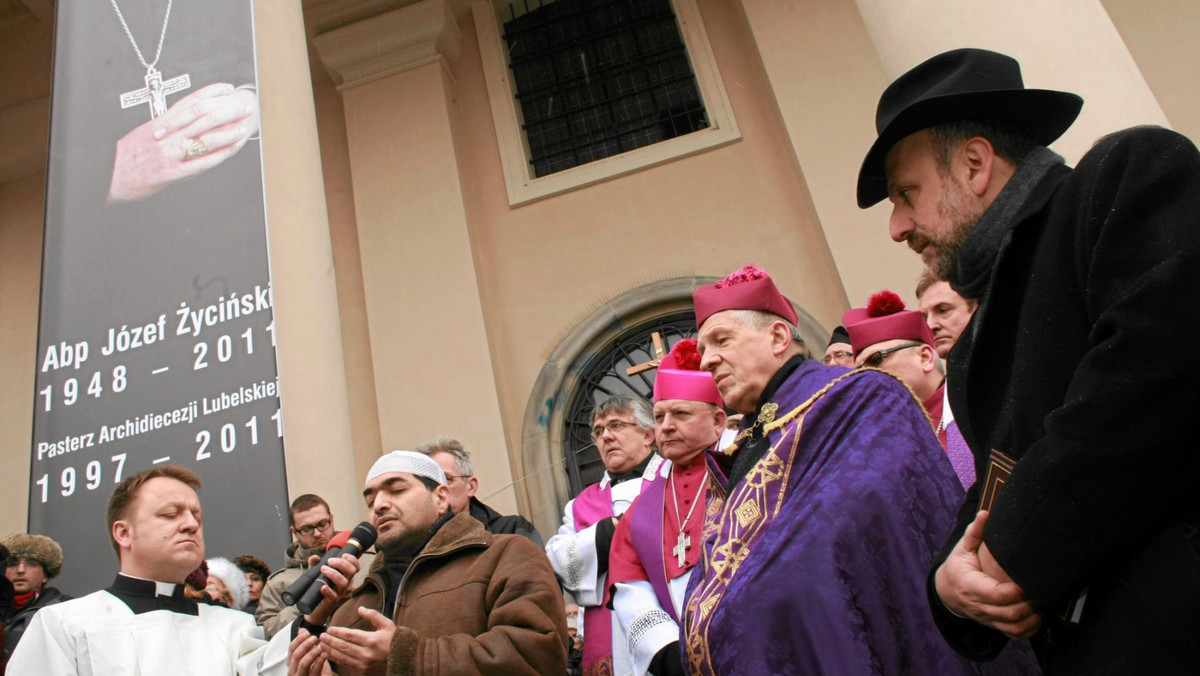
pixel 591 360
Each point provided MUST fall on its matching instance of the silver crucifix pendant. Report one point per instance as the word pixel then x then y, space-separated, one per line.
pixel 680 549
pixel 155 92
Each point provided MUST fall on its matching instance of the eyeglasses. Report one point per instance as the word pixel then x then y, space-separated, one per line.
pixel 451 477
pixel 876 359
pixel 319 526
pixel 838 354
pixel 614 426
pixel 28 563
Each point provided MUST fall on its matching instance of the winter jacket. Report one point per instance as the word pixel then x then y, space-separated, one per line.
pixel 470 603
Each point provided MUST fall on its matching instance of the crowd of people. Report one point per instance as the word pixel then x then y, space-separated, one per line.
pixel 996 483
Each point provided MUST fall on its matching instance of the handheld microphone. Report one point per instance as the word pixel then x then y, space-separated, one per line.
pixel 297 589
pixel 302 583
pixel 362 537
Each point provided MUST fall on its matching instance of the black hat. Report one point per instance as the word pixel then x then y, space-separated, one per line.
pixel 964 84
pixel 839 336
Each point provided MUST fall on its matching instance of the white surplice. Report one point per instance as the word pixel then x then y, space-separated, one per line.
pixel 99 635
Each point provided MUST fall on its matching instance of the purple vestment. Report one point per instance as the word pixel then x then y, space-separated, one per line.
pixel 817 562
pixel 590 506
pixel 594 504
pixel 960 455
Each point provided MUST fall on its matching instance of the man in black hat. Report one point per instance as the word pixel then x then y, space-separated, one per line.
pixel 838 351
pixel 1092 546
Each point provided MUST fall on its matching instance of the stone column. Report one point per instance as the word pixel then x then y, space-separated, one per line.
pixel 429 343
pixel 827 78
pixel 317 440
pixel 1068 46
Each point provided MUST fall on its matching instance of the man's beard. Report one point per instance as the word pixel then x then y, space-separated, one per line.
pixel 940 253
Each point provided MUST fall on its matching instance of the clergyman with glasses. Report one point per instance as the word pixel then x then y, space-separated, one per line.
pixel 623 433
pixel 455 461
pixel 839 351
pixel 312 528
pixel 887 336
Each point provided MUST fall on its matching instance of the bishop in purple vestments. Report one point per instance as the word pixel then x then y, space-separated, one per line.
pixel 838 498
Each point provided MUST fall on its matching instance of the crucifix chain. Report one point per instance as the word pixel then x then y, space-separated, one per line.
pixel 156 90
pixel 684 542
pixel 161 38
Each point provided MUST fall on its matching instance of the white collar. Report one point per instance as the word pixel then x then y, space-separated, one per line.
pixel 656 461
pixel 947 414
pixel 160 588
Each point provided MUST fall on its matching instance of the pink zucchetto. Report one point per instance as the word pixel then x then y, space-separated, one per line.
pixel 884 318
pixel 679 376
pixel 747 289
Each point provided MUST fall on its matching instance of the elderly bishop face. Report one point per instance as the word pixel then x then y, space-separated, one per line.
pixel 741 358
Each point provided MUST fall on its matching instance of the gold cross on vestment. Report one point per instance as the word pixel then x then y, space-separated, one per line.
pixel 681 547
pixel 155 92
pixel 659 351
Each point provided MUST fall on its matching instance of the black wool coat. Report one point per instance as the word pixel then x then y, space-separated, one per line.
pixel 1082 363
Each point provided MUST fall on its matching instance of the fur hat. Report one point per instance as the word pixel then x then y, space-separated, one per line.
pixel 38 547
pixel 252 564
pixel 234 579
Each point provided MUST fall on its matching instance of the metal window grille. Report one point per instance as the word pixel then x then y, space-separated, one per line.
pixel 605 375
pixel 596 78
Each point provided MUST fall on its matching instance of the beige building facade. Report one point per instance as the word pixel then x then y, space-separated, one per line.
pixel 425 284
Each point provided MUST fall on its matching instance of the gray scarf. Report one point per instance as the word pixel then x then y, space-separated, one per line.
pixel 977 256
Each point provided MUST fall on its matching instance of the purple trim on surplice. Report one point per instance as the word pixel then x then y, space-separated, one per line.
pixel 592 505
pixel 647 534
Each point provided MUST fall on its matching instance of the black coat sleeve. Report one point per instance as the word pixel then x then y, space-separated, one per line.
pixel 1112 457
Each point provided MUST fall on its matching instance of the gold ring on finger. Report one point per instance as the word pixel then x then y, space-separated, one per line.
pixel 197 148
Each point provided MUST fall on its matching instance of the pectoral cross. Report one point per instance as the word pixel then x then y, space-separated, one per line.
pixel 155 92
pixel 681 546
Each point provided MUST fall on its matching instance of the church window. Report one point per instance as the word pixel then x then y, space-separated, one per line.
pixel 585 90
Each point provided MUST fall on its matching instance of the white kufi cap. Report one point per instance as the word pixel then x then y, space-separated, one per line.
pixel 417 464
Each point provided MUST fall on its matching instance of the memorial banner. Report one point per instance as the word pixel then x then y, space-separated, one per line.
pixel 156 335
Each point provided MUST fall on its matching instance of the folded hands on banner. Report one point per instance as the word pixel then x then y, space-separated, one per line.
pixel 197 133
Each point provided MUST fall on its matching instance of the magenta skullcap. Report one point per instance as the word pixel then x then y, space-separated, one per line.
pixel 884 318
pixel 747 289
pixel 679 376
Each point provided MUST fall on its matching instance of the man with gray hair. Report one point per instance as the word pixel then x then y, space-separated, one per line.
pixel 443 596
pixel 838 497
pixel 455 461
pixel 623 432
